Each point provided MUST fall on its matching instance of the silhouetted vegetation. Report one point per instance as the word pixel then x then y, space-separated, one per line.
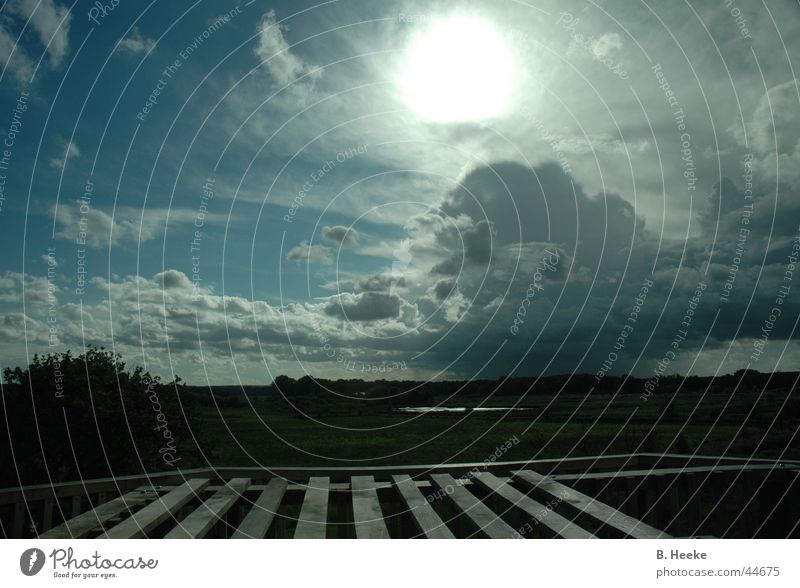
pixel 319 395
pixel 88 416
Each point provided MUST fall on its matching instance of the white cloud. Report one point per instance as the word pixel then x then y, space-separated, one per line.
pixel 70 150
pixel 164 317
pixel 50 21
pixel 310 254
pixel 14 56
pixel 37 289
pixel 606 45
pixel 283 65
pixel 129 224
pixel 136 43
pixel 15 323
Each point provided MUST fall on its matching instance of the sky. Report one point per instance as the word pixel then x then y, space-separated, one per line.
pixel 229 191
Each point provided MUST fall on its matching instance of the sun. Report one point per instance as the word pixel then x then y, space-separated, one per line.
pixel 459 69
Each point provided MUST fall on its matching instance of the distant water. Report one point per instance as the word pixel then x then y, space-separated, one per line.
pixel 455 409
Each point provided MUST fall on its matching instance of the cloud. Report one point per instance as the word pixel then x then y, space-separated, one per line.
pixel 381 282
pixel 38 290
pixel 773 133
pixel 12 53
pixel 774 123
pixel 70 150
pixel 543 205
pixel 14 323
pixel 136 43
pixel 50 21
pixel 310 254
pixel 477 249
pixel 94 228
pixel 163 316
pixel 282 64
pixel 443 288
pixel 367 306
pixel 503 222
pixel 172 280
pixel 341 235
pixel 130 224
pixel 588 293
pixel 606 44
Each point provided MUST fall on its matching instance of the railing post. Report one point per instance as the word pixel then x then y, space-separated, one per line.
pixel 19 520
pixel 47 519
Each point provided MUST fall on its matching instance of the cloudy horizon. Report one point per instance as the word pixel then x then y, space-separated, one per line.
pixel 362 190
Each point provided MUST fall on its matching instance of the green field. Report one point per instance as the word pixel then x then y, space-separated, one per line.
pixel 270 433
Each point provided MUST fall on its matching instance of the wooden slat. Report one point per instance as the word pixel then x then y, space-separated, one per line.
pixel 204 517
pixel 313 519
pixel 561 526
pixel 156 512
pixel 260 517
pixel 80 526
pixel 367 514
pixel 606 514
pixel 425 518
pixel 487 522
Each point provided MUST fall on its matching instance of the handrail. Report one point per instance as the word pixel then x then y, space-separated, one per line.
pixel 571 465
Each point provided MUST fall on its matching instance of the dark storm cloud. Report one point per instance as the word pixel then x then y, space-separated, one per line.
pixel 606 255
pixel 477 249
pixel 381 282
pixel 443 288
pixel 544 204
pixel 341 235
pixel 364 307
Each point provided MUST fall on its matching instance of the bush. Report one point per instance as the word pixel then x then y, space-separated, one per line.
pixel 88 417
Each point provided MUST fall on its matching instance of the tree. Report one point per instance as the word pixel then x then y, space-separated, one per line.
pixel 88 416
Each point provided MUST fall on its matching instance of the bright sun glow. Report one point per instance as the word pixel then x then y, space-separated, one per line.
pixel 460 69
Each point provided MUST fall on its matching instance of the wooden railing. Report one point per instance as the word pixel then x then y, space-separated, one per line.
pixel 497 499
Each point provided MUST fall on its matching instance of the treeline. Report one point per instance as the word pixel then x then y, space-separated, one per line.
pixel 410 392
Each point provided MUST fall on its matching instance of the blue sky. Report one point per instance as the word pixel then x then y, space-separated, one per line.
pixel 335 225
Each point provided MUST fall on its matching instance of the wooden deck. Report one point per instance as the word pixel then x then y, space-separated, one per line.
pixel 501 501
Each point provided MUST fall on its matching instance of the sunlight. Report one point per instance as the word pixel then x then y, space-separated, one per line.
pixel 459 69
